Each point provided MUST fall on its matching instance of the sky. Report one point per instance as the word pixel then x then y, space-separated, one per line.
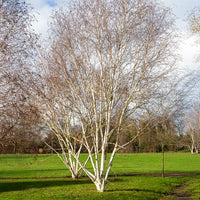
pixel 181 8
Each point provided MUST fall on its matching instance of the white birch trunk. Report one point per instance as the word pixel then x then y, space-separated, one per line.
pixel 108 68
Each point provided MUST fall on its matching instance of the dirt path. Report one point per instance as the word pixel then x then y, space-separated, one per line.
pixel 179 193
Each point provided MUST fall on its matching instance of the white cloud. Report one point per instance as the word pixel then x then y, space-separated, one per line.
pixel 181 8
pixel 189 51
pixel 42 10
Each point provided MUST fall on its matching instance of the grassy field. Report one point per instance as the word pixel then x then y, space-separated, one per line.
pixel 45 177
pixel 29 166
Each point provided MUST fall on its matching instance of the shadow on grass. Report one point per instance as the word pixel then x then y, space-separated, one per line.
pixel 31 173
pixel 19 185
pixel 28 173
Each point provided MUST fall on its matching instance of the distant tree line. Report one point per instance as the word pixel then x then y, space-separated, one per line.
pixel 151 139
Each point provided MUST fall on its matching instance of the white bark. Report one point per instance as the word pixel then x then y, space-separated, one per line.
pixel 193 125
pixel 104 66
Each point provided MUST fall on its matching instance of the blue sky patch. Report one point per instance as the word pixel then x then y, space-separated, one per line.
pixel 51 3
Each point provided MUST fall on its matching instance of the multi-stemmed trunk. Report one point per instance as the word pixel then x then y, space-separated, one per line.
pixel 105 67
pixel 71 160
pixel 100 185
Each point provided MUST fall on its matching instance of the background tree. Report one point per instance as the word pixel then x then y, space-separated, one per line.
pixel 193 129
pixel 107 61
pixel 194 21
pixel 18 110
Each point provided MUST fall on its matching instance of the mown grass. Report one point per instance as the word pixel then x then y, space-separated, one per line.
pixel 136 187
pixel 119 187
pixel 28 166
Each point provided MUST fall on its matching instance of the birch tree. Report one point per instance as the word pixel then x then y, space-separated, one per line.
pixel 193 128
pixel 60 120
pixel 107 60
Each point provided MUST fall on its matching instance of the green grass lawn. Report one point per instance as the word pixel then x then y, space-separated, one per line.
pixel 119 187
pixel 28 166
pixel 137 187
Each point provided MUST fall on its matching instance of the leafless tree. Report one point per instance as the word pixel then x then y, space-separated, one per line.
pixel 52 94
pixel 194 21
pixel 17 47
pixel 107 61
pixel 193 128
